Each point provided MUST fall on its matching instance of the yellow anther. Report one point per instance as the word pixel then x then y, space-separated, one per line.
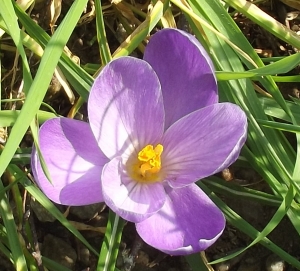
pixel 145 166
pixel 151 160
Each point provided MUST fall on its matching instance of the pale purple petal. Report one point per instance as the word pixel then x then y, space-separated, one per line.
pixel 125 106
pixel 188 222
pixel 203 143
pixel 131 200
pixel 74 162
pixel 185 72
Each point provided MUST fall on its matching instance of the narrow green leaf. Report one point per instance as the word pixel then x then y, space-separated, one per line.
pixel 237 191
pixel 9 117
pixel 282 66
pixel 280 126
pixel 12 233
pixel 110 245
pixel 271 108
pixel 101 35
pixel 196 262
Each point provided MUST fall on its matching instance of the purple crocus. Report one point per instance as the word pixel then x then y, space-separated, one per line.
pixel 155 127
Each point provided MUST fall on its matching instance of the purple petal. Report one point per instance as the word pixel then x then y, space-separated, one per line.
pixel 185 72
pixel 131 200
pixel 125 106
pixel 203 143
pixel 188 222
pixel 74 162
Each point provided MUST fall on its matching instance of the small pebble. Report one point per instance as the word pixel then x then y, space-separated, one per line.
pixel 228 265
pixel 224 266
pixel 59 251
pixel 87 212
pixel 142 258
pixel 295 28
pixel 84 254
pixel 274 263
pixel 41 212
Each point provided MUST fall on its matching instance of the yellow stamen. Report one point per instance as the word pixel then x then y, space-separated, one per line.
pixel 151 161
pixel 145 167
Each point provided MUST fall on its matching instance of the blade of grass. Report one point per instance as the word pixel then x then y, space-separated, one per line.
pixel 282 66
pixel 110 245
pixel 287 78
pixel 229 189
pixel 12 233
pixel 105 54
pixel 197 263
pixel 280 126
pixel 271 108
pixel 9 117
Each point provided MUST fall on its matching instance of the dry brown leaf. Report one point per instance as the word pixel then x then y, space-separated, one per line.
pixel 83 227
pixel 55 10
pixel 292 3
pixel 126 12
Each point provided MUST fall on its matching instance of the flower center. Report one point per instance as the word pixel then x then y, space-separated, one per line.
pixel 150 158
pixel 147 165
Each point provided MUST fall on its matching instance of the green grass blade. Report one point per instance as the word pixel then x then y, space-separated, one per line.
pixel 101 35
pixel 229 189
pixel 12 233
pixel 271 109
pixel 9 117
pixel 282 66
pixel 280 126
pixel 110 245
pixel 196 262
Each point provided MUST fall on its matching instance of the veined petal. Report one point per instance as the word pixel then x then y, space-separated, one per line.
pixel 203 143
pixel 131 200
pixel 185 72
pixel 188 222
pixel 74 162
pixel 125 107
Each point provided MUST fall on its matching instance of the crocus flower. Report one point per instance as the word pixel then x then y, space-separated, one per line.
pixel 155 127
